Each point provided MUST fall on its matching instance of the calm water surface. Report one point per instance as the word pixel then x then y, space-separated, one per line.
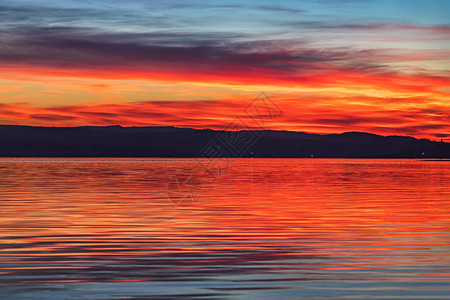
pixel 237 229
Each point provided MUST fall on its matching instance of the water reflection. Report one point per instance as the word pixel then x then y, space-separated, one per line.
pixel 263 228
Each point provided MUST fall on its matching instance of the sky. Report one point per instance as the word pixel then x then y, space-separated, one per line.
pixel 331 66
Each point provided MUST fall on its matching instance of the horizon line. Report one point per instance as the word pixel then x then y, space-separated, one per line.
pixel 442 140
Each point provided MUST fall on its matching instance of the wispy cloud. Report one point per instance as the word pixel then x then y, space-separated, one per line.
pixel 276 8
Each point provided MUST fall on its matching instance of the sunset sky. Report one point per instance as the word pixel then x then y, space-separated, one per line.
pixel 332 66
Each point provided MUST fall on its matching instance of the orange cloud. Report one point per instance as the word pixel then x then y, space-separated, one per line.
pixel 320 90
pixel 299 114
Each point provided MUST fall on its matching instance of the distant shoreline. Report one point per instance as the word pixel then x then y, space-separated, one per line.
pixel 174 142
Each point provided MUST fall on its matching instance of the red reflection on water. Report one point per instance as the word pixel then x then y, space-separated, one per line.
pixel 263 220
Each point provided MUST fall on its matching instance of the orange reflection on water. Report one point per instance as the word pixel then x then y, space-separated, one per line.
pixel 280 227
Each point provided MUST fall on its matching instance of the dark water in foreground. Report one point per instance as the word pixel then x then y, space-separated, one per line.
pixel 260 229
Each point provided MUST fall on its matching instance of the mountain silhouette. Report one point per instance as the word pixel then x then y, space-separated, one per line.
pixel 117 141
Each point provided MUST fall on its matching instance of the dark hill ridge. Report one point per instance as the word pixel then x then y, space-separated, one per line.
pixel 117 141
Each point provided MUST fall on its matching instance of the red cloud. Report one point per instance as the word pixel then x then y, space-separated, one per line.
pixel 298 116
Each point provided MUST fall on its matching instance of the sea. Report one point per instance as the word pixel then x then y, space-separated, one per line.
pixel 244 228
